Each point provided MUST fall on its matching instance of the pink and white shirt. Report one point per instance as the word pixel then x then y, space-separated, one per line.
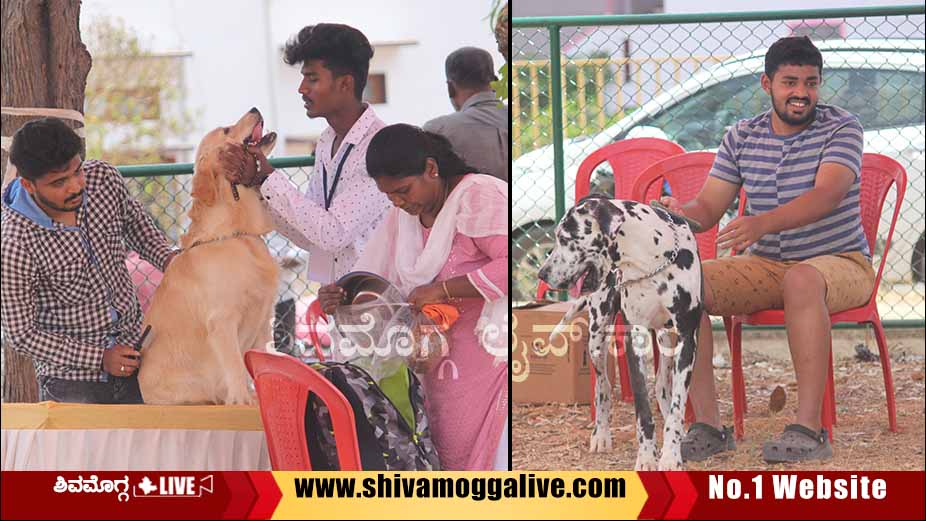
pixel 334 237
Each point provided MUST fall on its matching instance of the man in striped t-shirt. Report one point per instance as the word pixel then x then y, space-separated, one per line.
pixel 805 250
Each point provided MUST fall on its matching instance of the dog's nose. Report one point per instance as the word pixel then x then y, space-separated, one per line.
pixel 254 110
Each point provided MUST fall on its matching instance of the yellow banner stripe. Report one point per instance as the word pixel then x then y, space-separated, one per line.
pixel 423 503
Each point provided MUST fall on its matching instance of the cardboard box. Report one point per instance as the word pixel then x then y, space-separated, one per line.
pixel 543 371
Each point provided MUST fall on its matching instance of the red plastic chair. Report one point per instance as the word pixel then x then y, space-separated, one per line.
pixel 283 386
pixel 313 316
pixel 879 173
pixel 628 159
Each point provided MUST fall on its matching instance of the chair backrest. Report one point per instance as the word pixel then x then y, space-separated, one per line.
pixel 879 173
pixel 686 174
pixel 628 158
pixel 283 386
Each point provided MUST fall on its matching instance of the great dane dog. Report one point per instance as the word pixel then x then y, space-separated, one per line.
pixel 640 261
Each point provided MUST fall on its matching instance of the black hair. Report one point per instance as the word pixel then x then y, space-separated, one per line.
pixel 42 146
pixel 470 68
pixel 343 49
pixel 792 50
pixel 402 150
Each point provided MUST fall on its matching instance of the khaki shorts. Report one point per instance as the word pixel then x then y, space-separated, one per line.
pixel 744 284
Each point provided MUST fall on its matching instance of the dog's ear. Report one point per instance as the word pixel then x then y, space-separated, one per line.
pixel 204 182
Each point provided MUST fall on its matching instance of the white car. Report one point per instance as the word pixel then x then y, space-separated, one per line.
pixel 881 81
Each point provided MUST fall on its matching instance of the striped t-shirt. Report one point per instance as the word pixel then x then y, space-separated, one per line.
pixel 774 170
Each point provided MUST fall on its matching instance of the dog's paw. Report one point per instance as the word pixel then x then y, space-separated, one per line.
pixel 600 442
pixel 670 462
pixel 242 398
pixel 645 461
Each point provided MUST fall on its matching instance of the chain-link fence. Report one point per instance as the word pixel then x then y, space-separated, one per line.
pixel 687 78
pixel 164 190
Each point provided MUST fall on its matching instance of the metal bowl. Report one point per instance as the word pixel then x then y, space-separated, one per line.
pixel 361 287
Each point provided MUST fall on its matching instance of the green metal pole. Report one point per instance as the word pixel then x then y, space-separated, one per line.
pixel 888 324
pixel 174 169
pixel 745 16
pixel 559 182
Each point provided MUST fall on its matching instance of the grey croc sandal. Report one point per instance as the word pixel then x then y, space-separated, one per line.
pixel 798 443
pixel 704 441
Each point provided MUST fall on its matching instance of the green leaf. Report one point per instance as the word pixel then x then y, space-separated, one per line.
pixel 501 86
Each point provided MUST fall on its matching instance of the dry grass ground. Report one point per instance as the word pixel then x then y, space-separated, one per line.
pixel 556 436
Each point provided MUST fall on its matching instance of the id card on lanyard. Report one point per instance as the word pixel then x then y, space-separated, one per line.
pixel 322 262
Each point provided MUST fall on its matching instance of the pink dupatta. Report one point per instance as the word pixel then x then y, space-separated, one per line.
pixel 477 207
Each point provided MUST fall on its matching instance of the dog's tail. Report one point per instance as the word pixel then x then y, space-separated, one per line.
pixel 577 307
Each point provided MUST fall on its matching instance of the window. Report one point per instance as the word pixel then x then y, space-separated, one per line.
pixel 646 6
pixel 819 29
pixel 299 145
pixel 375 91
pixel 699 121
pixel 881 98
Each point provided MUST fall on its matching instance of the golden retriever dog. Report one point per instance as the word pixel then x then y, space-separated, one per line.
pixel 216 299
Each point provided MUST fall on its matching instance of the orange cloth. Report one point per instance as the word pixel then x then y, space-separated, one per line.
pixel 444 315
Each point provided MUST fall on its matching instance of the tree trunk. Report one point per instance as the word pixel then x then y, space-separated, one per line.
pixel 501 32
pixel 44 64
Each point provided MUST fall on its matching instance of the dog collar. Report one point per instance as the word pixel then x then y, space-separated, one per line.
pixel 665 264
pixel 218 239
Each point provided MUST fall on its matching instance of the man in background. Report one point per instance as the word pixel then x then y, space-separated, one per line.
pixel 478 130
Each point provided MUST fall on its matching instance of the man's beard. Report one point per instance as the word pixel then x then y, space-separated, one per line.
pixel 799 121
pixel 77 198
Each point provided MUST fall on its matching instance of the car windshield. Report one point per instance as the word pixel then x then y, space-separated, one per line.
pixel 881 99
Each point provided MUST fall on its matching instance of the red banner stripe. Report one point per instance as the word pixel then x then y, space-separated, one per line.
pixel 685 495
pixel 659 495
pixel 268 495
pixel 903 497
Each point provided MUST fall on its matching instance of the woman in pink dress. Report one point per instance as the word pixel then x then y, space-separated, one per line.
pixel 446 241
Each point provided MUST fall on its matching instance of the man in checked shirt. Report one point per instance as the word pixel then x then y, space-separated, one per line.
pixel 67 298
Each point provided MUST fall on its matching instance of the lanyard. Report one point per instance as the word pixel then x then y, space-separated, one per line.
pixel 329 196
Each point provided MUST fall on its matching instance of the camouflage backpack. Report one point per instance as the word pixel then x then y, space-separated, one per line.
pixel 386 438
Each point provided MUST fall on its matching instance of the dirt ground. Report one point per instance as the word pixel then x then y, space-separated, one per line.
pixel 556 436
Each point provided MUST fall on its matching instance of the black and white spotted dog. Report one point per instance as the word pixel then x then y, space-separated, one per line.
pixel 642 262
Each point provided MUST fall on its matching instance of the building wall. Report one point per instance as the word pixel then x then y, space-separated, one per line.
pixel 236 60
